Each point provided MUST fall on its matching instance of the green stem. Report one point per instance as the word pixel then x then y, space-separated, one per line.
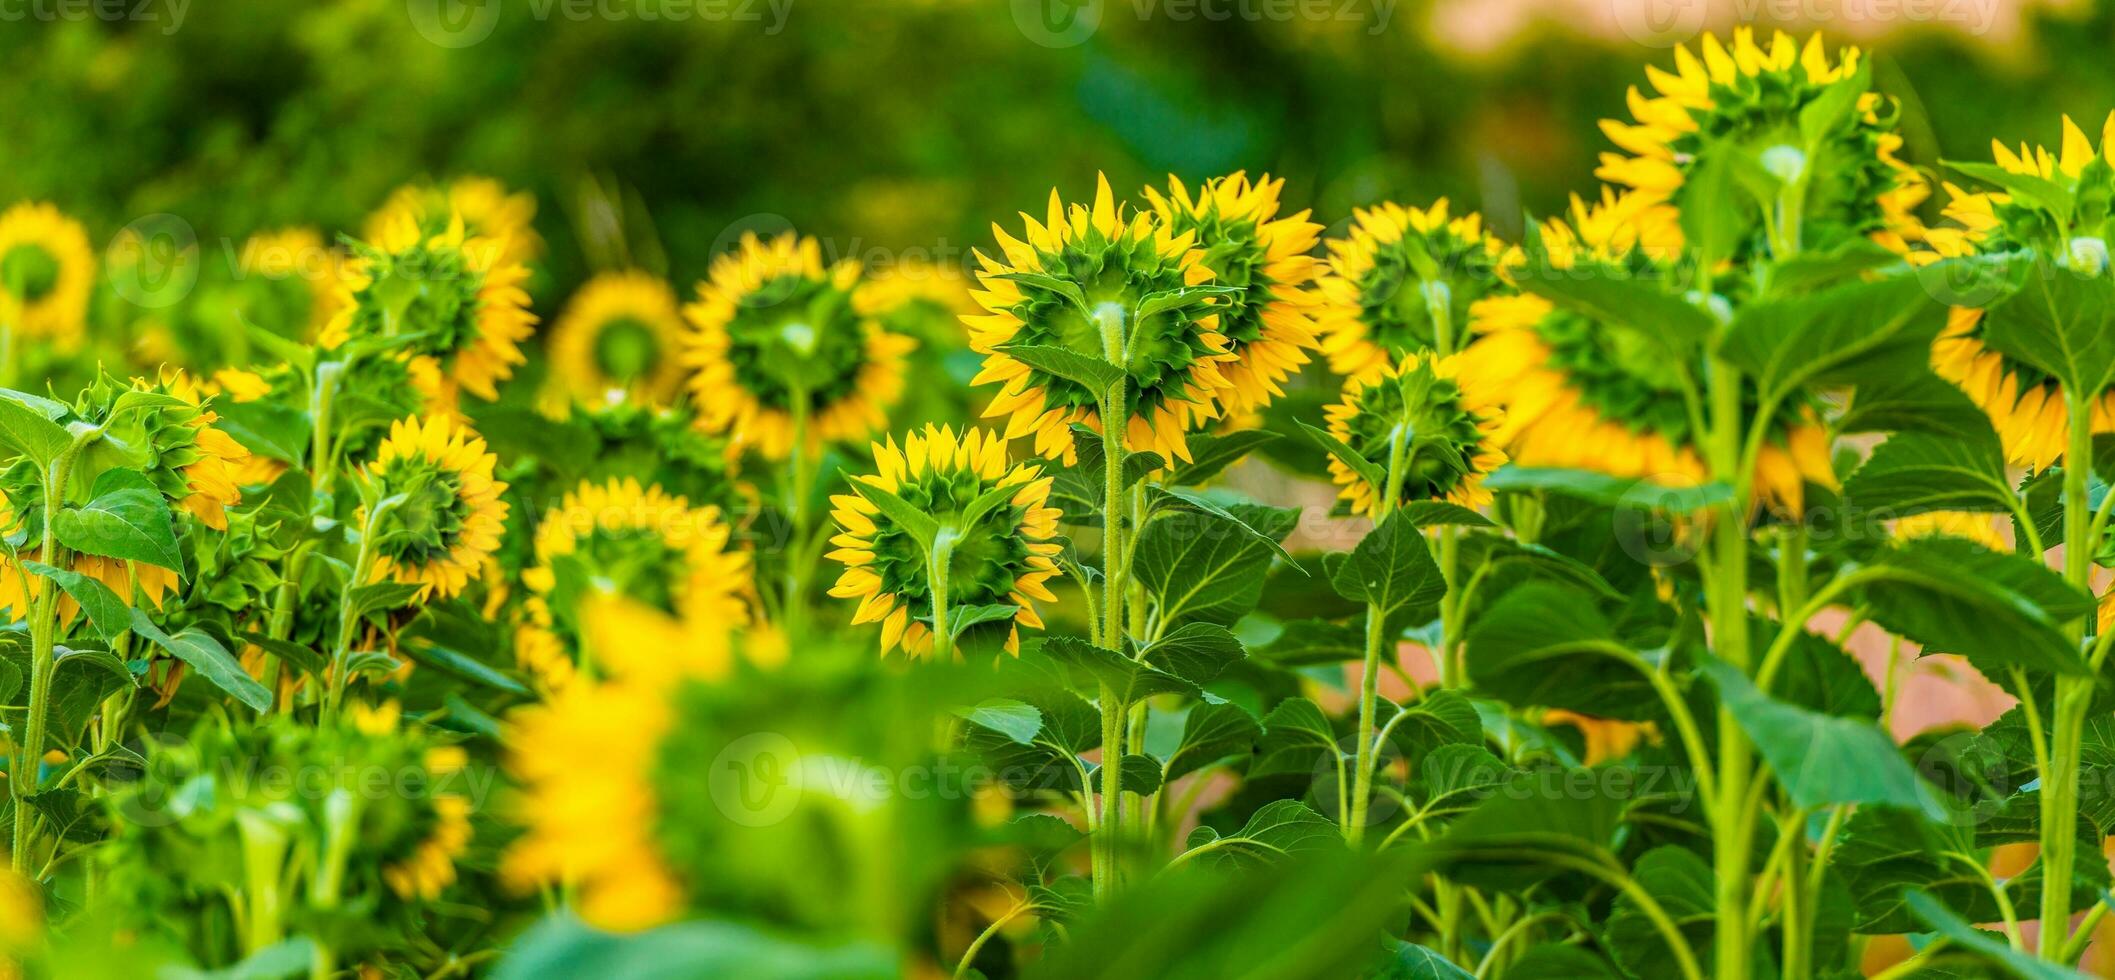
pixel 942 558
pixel 1114 410
pixel 2059 793
pixel 796 602
pixel 1354 818
pixel 1729 634
pixel 348 619
pixel 44 638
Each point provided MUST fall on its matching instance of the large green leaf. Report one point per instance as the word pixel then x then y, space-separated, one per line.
pixel 1200 568
pixel 1096 375
pixel 1885 854
pixel 107 612
pixel 1212 454
pixel 1682 885
pixel 1392 569
pixel 1637 303
pixel 1859 331
pixel 1992 948
pixel 206 656
pixel 1130 679
pixel 564 947
pixel 1533 824
pixel 127 519
pixel 1916 472
pixel 1211 732
pixel 1281 828
pixel 1915 401
pixel 1820 759
pixel 1608 490
pixel 1998 609
pixel 2060 323
pixel 30 426
pixel 1195 652
pixel 1409 961
pixel 1546 644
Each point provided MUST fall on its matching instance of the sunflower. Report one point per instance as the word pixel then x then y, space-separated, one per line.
pixel 1580 395
pixel 918 298
pixel 620 539
pixel 46 273
pixel 209 462
pixel 1979 528
pixel 619 335
pixel 1752 99
pixel 295 255
pixel 488 210
pixel 1108 262
pixel 2024 404
pixel 777 344
pixel 18 588
pixel 1001 557
pixel 450 515
pixel 587 758
pixel 243 387
pixel 457 300
pixel 1394 274
pixel 1270 326
pixel 1447 433
pixel 429 867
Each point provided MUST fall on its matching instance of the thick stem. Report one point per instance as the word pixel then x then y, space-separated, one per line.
pixel 1114 411
pixel 943 557
pixel 1376 638
pixel 796 602
pixel 44 639
pixel 2059 792
pixel 348 619
pixel 1729 635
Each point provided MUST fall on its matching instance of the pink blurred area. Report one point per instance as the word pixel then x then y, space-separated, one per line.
pixel 1483 27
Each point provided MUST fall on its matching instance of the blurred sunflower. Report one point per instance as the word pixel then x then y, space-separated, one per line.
pixel 778 344
pixel 427 864
pixel 456 300
pixel 619 335
pixel 1753 100
pixel 1446 432
pixel 1979 528
pixel 1107 261
pixel 298 257
pixel 46 273
pixel 450 515
pixel 587 761
pixel 2024 404
pixel 922 299
pixel 1002 553
pixel 208 463
pixel 488 210
pixel 1581 395
pixel 1270 326
pixel 617 538
pixel 1388 279
pixel 243 387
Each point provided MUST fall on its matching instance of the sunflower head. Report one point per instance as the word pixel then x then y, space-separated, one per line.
pixel 619 337
pixel 1269 325
pixel 1441 435
pixel 620 539
pixel 918 298
pixel 998 520
pixel 454 301
pixel 488 210
pixel 164 429
pixel 437 509
pixel 2067 224
pixel 777 343
pixel 1754 100
pixel 1402 282
pixel 1979 528
pixel 46 273
pixel 1582 394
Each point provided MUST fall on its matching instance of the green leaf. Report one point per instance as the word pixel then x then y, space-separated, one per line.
pixel 1540 560
pixel 2029 189
pixel 1682 884
pixel 1992 948
pixel 1716 217
pixel 1533 824
pixel 456 663
pixel 1409 961
pixel 1436 513
pixel 1280 829
pixel 2060 323
pixel 1607 490
pixel 383 596
pixel 1551 961
pixel 1820 759
pixel 1212 454
pixel 920 525
pixel 266 428
pixel 1452 779
pixel 1202 569
pixel 1916 472
pixel 561 946
pixel 1888 854
pixel 1017 720
pixel 1846 334
pixel 1130 679
pixel 1439 718
pixel 1096 375
pixel 206 656
pixel 1308 642
pixel 1392 569
pixel 1176 497
pixel 371 663
pixel 961 618
pixel 1547 644
pixel 1211 732
pixel 1087 446
pixel 1366 469
pixel 1827 112
pixel 107 612
pixel 1295 733
pixel 1914 401
pixel 128 519
pixel 2000 610
pixel 1636 303
pixel 1195 652
pixel 1183 297
pixel 1065 288
pixel 29 425
pixel 1816 268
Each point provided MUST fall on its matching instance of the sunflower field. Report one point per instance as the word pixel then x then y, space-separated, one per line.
pixel 1192 579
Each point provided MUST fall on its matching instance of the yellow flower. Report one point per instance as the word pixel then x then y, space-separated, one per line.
pixel 1113 259
pixel 915 297
pixel 488 210
pixel 620 539
pixel 456 301
pixel 1270 326
pixel 1394 275
pixel 2025 405
pixel 1447 432
pixel 451 515
pixel 586 760
pixel 46 273
pixel 215 460
pixel 241 387
pixel 297 253
pixel 1606 738
pixel 619 336
pixel 430 868
pixel 777 339
pixel 1753 97
pixel 1979 528
pixel 18 587
pixel 1578 396
pixel 1001 556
